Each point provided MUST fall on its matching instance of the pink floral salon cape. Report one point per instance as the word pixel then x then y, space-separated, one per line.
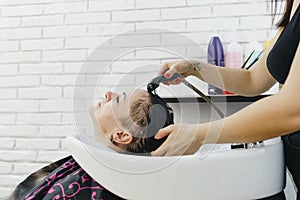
pixel 67 181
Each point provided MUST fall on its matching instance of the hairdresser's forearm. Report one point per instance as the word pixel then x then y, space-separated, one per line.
pixel 261 120
pixel 230 79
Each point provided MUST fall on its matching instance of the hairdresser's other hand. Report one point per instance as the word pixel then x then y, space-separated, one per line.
pixel 184 67
pixel 182 139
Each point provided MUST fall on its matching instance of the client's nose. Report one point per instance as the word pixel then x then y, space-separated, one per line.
pixel 109 95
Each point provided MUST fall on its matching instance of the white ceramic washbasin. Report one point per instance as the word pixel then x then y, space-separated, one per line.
pixel 239 174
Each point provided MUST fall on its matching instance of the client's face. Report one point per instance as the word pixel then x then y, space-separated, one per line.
pixel 107 113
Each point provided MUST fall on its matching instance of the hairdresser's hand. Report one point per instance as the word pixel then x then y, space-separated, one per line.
pixel 182 139
pixel 184 67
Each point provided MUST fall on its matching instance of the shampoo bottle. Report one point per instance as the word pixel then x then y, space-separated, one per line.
pixel 215 56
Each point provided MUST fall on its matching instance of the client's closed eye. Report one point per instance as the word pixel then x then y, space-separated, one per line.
pixel 118 97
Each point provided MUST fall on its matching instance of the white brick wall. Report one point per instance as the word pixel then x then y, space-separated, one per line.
pixel 44 43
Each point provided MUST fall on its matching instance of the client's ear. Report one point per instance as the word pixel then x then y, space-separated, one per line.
pixel 121 138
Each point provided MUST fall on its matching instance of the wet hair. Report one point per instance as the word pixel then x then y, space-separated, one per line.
pixel 287 12
pixel 147 115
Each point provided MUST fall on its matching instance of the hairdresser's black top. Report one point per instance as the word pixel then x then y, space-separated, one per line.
pixel 279 63
pixel 281 56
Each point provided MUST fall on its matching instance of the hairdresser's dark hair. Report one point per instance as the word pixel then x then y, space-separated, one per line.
pixel 139 120
pixel 287 12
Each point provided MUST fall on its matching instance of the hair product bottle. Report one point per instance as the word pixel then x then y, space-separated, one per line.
pixel 215 56
pixel 233 56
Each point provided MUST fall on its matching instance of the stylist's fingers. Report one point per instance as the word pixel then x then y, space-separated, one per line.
pixel 169 68
pixel 179 67
pixel 164 132
pixel 165 67
pixel 162 150
pixel 168 74
pixel 183 68
pixel 176 81
pixel 172 145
